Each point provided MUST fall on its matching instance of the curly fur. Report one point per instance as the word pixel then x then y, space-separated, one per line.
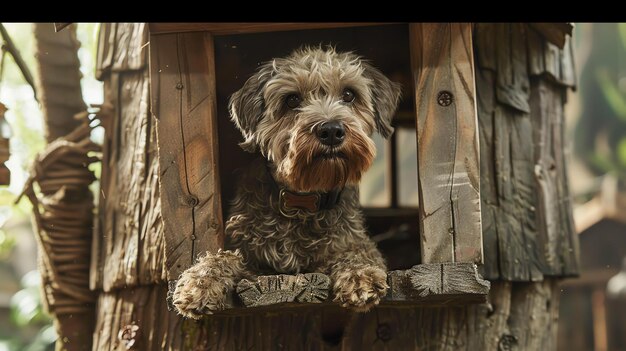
pixel 332 241
pixel 203 287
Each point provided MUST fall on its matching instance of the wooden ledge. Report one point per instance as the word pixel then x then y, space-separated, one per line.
pixel 429 284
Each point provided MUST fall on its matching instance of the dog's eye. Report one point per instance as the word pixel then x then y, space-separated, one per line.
pixel 293 101
pixel 347 95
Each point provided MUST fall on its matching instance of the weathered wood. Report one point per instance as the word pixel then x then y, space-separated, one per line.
pixel 106 48
pixel 328 327
pixel 240 28
pixel 448 168
pixel 512 78
pixel 555 33
pixel 560 250
pixel 511 113
pixel 424 284
pixel 183 94
pixel 128 246
pixel 556 62
pixel 131 47
pixel 128 241
pixel 122 47
pixel 268 290
pixel 434 282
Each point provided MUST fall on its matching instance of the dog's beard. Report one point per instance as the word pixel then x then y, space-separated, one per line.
pixel 311 166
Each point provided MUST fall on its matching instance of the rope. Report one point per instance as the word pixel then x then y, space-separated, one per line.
pixel 63 211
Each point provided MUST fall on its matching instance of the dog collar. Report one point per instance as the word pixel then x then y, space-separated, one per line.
pixel 289 201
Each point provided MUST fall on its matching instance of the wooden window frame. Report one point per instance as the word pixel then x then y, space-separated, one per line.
pixel 183 89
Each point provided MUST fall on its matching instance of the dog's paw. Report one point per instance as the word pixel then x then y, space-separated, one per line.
pixel 203 288
pixel 361 288
pixel 197 296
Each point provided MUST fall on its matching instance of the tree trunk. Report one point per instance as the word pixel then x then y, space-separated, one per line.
pixel 65 284
pixel 59 77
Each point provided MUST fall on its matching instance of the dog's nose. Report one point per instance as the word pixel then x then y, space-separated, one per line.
pixel 331 133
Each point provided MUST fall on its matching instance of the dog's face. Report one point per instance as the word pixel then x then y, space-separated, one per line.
pixel 313 114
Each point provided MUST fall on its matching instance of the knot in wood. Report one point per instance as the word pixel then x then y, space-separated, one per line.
pixel 191 201
pixel 384 332
pixel 507 342
pixel 444 98
pixel 129 336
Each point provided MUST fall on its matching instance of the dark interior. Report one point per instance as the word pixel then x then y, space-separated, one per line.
pixel 237 57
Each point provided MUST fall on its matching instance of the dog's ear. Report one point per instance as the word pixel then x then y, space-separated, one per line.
pixel 247 106
pixel 385 98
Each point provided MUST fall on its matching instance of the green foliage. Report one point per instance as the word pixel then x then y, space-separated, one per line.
pixel 27 312
pixel 6 245
pixel 601 130
pixel 614 97
pixel 26 304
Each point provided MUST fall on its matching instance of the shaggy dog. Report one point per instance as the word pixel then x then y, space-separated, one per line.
pixel 311 116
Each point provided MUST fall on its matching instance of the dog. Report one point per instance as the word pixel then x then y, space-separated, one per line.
pixel 310 116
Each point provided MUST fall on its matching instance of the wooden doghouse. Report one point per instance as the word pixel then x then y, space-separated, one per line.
pixel 171 82
pixel 195 67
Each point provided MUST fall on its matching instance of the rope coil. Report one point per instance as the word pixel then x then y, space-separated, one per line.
pixel 63 210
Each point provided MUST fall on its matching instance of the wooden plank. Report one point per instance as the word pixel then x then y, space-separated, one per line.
pixel 485 46
pixel 183 88
pixel 536 66
pixel 569 247
pixel 555 33
pixel 534 310
pixel 557 61
pixel 525 227
pixel 430 284
pixel 447 139
pixel 555 224
pixel 435 282
pixel 131 47
pixel 240 28
pixel 268 290
pixel 518 256
pixel 513 85
pixel 569 77
pixel 485 77
pixel 124 194
pixel 506 321
pixel 106 48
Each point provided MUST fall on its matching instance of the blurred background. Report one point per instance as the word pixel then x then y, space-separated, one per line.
pixel 596 134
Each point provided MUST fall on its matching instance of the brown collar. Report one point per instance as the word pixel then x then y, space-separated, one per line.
pixel 289 201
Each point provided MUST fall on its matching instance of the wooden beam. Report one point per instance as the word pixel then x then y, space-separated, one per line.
pixel 435 283
pixel 555 33
pixel 241 28
pixel 432 284
pixel 184 104
pixel 273 289
pixel 447 141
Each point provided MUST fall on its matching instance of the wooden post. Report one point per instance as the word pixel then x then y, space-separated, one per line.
pixel 183 102
pixel 447 142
